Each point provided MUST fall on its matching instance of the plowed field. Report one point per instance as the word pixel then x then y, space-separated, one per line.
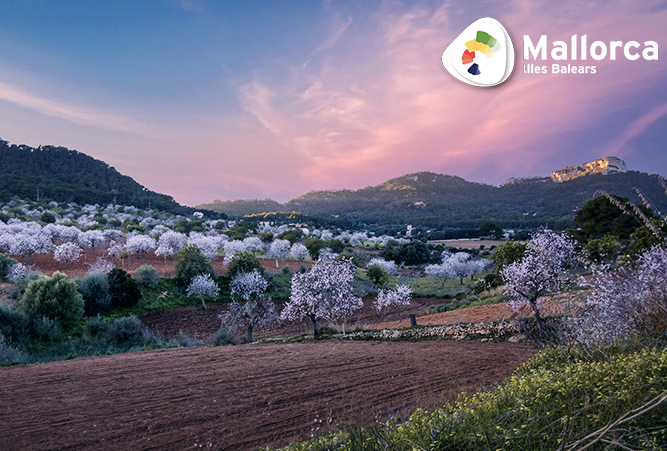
pixel 236 398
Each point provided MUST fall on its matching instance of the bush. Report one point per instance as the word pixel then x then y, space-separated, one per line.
pixel 244 262
pixel 377 274
pixel 190 262
pixel 19 287
pixel 123 289
pixel 95 290
pixel 96 329
pixel 55 297
pixel 223 337
pixel 47 218
pixel 5 263
pixel 184 340
pixel 9 354
pixel 14 325
pixel 147 276
pixel 127 328
pixel 285 269
pixel 46 329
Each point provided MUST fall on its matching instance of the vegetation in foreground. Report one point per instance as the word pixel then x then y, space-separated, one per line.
pixel 557 400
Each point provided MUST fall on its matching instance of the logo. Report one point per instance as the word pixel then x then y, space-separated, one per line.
pixel 482 55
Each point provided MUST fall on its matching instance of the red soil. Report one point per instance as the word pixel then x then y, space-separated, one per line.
pixel 78 268
pixel 236 398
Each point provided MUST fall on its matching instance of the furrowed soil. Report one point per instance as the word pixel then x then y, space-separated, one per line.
pixel 236 398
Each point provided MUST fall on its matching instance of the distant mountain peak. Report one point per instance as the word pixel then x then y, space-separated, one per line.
pixel 604 166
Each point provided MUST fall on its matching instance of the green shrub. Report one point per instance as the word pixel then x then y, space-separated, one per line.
pixel 377 274
pixel 123 289
pixel 285 269
pixel 190 262
pixel 244 262
pixel 9 354
pixel 223 337
pixel 19 287
pixel 47 218
pixel 95 290
pixel 127 328
pixel 5 262
pixel 14 325
pixel 184 340
pixel 147 276
pixel 96 329
pixel 55 297
pixel 46 329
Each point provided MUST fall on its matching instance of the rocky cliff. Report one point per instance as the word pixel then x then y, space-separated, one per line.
pixel 607 165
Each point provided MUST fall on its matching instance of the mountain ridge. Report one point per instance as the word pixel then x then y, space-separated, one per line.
pixel 432 199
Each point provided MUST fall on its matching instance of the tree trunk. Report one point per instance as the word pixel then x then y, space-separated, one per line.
pixel 538 319
pixel 249 336
pixel 316 332
pixel 203 303
pixel 276 263
pixel 400 320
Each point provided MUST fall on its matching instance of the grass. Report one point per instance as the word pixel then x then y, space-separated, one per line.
pixel 557 400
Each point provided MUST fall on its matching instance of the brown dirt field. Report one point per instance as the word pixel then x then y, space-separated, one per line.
pixel 236 398
pixel 194 321
pixel 77 269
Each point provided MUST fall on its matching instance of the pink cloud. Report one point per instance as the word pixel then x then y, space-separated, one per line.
pixel 356 124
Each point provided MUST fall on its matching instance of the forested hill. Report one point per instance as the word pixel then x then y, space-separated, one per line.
pixel 436 200
pixel 64 175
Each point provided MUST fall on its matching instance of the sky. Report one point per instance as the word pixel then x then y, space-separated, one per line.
pixel 204 99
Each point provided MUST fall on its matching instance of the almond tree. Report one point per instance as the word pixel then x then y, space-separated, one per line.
pixel 299 252
pixel 401 295
pixel 324 292
pixel 442 272
pixel 203 285
pixel 257 310
pixel 67 252
pixel 140 243
pixel 389 266
pixel 169 244
pixel 538 272
pixel 279 250
pixel 26 245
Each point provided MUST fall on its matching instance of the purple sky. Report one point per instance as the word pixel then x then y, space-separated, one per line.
pixel 224 100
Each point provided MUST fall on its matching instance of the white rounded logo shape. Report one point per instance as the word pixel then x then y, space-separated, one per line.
pixel 482 55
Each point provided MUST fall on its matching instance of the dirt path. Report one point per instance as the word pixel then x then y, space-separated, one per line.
pixel 202 324
pixel 493 312
pixel 236 398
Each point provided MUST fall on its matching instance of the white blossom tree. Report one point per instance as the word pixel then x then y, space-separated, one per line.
pixel 279 250
pixel 253 244
pixel 140 243
pixel 539 271
pixel 623 302
pixel 231 248
pixel 67 252
pixel 115 250
pixel 442 272
pixel 26 245
pixel 256 309
pixel 299 252
pixel 91 238
pixel 208 245
pixel 169 243
pixel 203 286
pixel 389 266
pixel 401 295
pixel 324 292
